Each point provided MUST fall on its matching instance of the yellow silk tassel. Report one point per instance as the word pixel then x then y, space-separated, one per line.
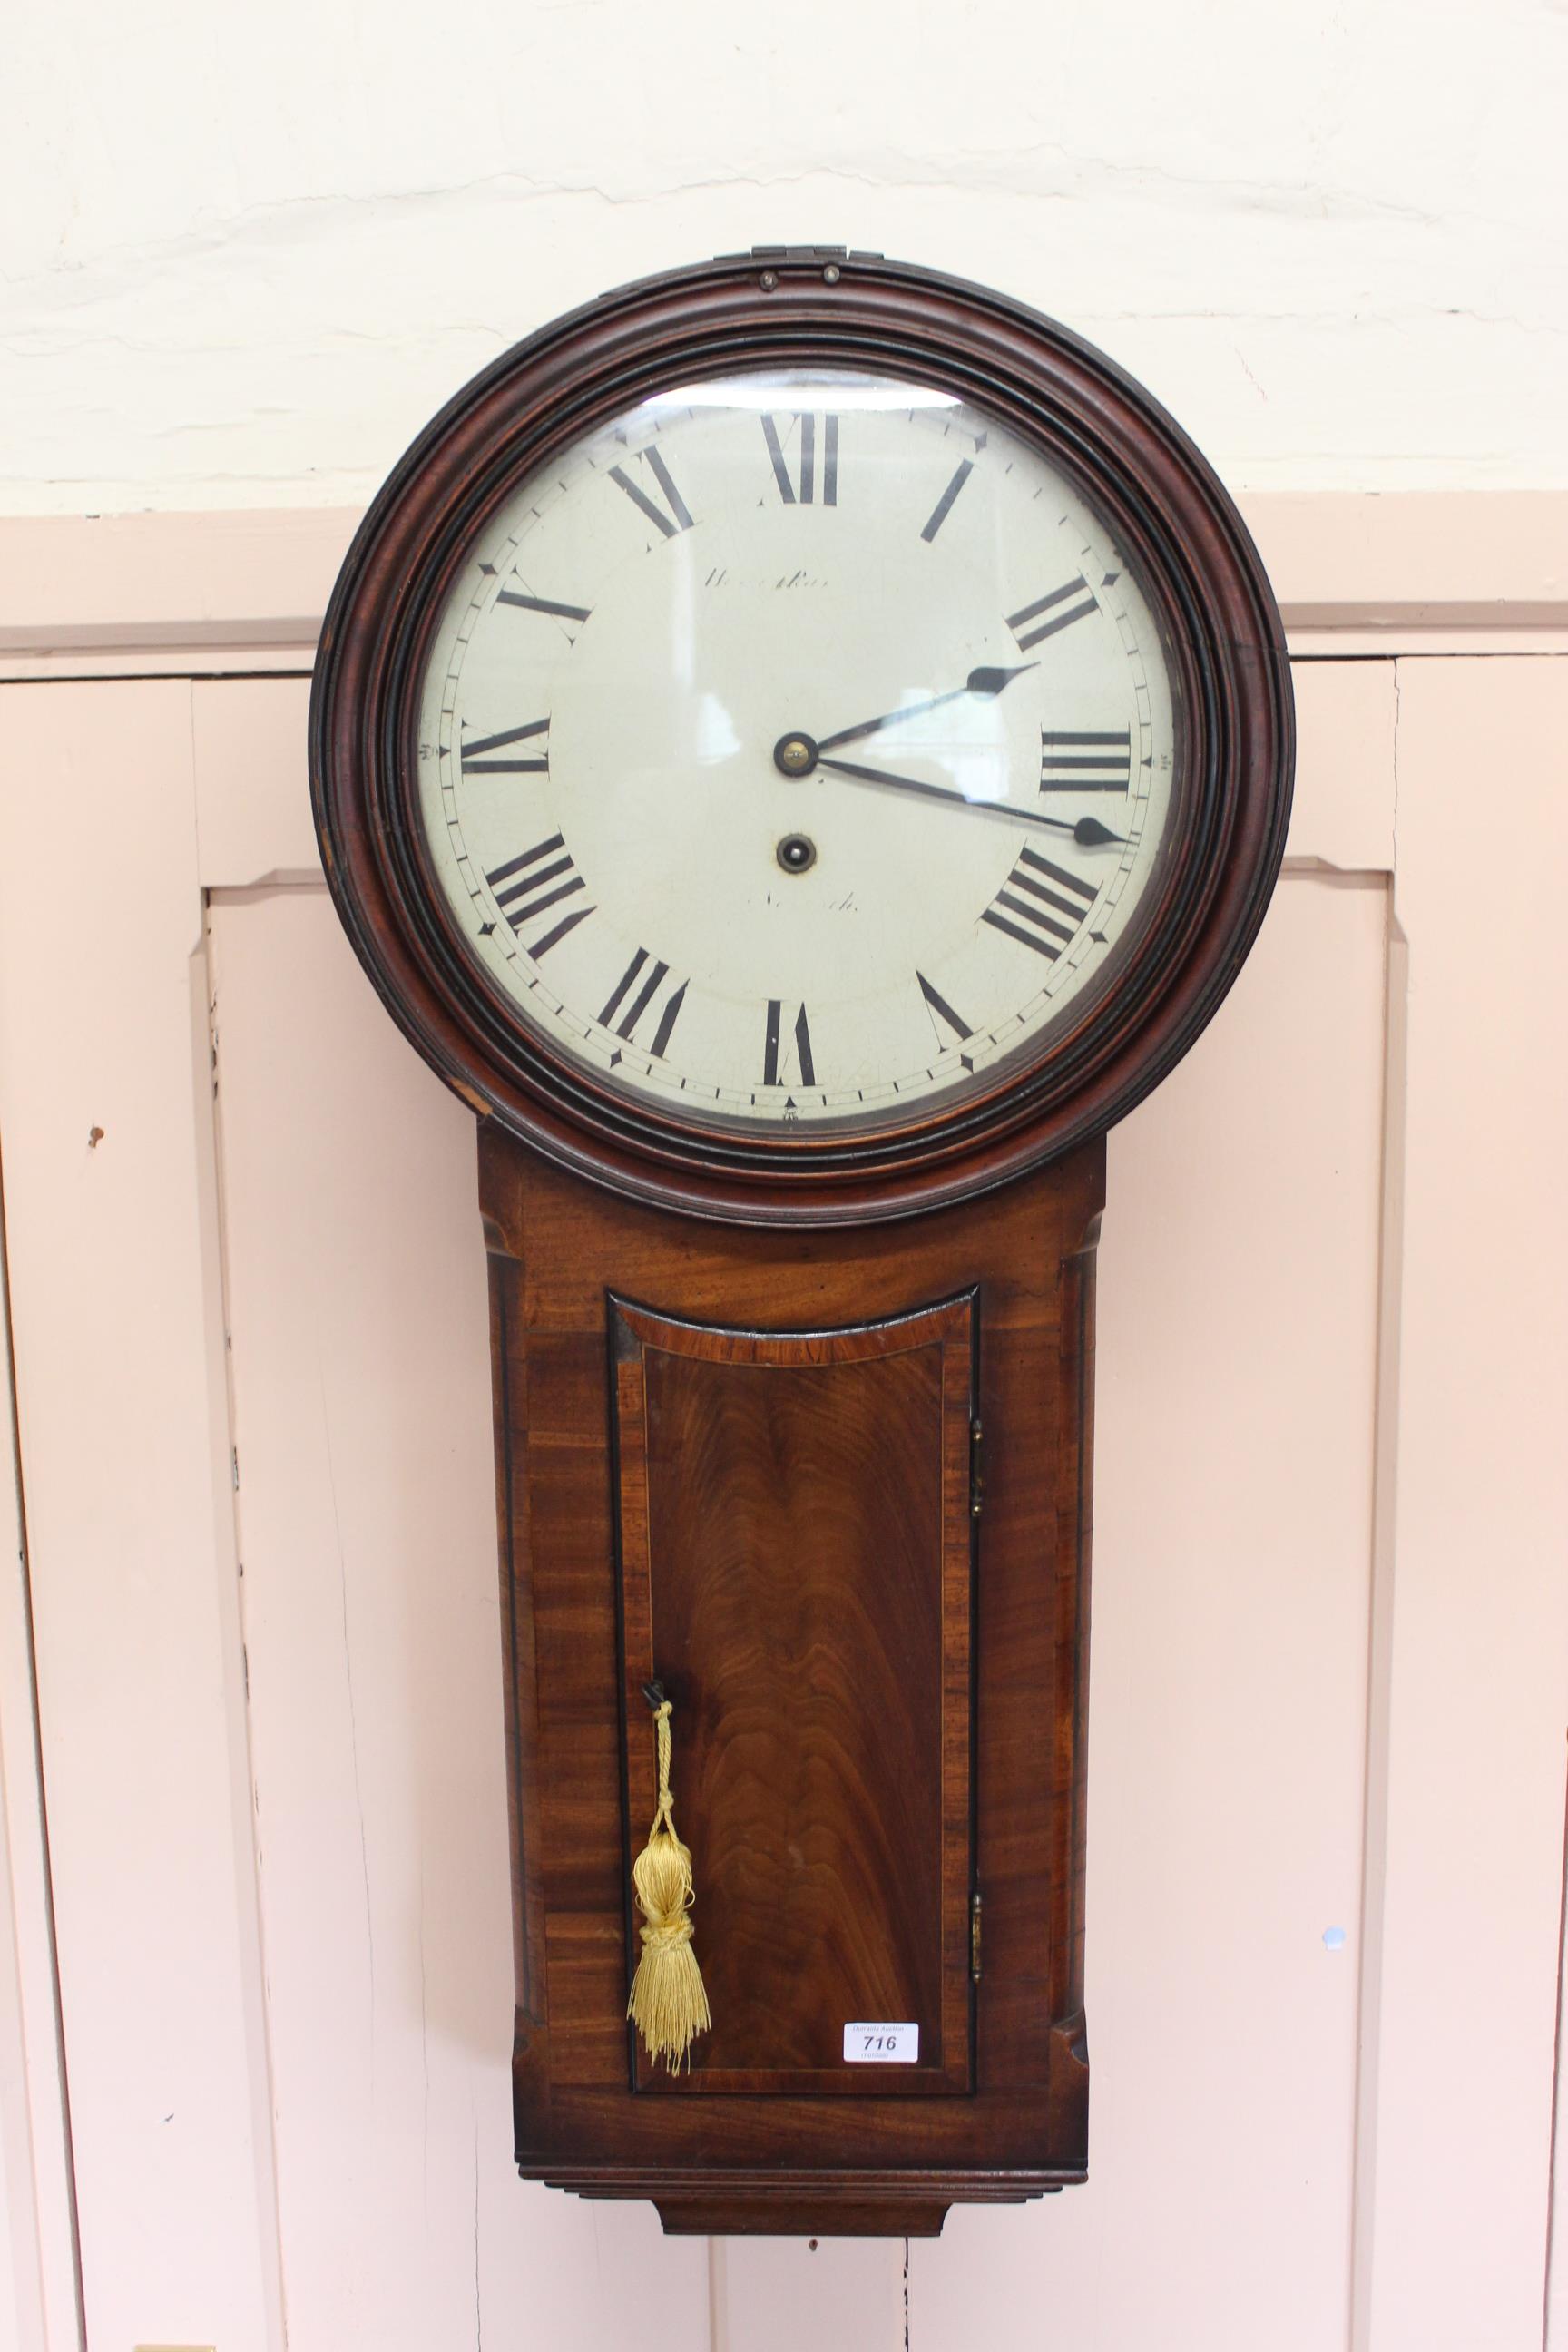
pixel 669 2006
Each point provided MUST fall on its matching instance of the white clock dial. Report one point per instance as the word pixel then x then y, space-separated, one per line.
pixel 798 749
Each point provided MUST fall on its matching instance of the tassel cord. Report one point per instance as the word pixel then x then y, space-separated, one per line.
pixel 669 2005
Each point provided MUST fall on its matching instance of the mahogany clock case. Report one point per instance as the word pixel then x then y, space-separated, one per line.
pixel 1222 641
pixel 832 1488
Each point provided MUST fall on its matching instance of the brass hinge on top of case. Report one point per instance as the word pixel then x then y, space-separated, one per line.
pixel 975 1938
pixel 976 1473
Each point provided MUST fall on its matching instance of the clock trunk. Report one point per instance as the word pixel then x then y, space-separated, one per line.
pixel 830 1489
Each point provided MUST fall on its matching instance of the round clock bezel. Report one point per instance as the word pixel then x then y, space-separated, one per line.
pixel 1220 637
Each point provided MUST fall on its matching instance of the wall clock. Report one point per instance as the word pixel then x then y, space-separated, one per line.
pixel 801 745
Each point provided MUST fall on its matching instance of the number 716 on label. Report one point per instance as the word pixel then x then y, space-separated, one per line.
pixel 882 2045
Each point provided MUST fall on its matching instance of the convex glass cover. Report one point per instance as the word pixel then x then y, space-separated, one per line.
pixel 797 747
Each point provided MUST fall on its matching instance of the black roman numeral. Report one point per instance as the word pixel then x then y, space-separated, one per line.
pixel 773 1057
pixel 634 992
pixel 1060 618
pixel 940 1009
pixel 1047 897
pixel 944 506
pixel 542 605
pixel 801 488
pixel 533 881
pixel 475 762
pixel 678 509
pixel 1101 763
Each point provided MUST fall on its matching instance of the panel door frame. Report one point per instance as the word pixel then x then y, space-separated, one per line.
pixel 952 1327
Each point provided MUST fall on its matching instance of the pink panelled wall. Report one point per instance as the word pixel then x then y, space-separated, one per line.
pixel 1331 1666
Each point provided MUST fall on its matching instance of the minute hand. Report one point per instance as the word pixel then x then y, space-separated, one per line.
pixel 1087 829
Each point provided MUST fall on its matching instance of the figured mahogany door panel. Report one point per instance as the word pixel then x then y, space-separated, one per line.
pixel 795 1565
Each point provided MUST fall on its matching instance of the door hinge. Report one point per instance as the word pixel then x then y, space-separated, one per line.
pixel 976 1473
pixel 975 1938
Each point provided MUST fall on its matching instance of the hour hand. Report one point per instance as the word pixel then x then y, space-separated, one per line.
pixel 979 681
pixel 1087 831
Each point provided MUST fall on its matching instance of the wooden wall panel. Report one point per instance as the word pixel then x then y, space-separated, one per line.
pixel 114 1298
pixel 1474 1674
pixel 38 2310
pixel 366 1506
pixel 1232 1566
pixel 1556 2337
